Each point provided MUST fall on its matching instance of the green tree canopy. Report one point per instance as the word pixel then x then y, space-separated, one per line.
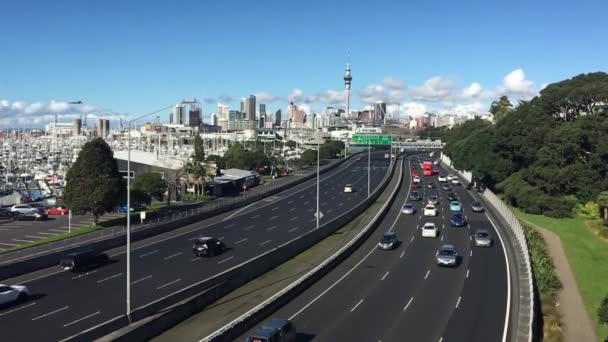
pixel 291 144
pixel 309 157
pixel 195 167
pixel 501 108
pixel 238 157
pixel 152 184
pixel 93 183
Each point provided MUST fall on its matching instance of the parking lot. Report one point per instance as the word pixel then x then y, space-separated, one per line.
pixel 17 233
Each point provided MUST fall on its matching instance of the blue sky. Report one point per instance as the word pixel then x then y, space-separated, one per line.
pixel 133 57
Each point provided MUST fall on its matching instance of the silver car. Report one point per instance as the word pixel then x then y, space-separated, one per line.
pixel 476 207
pixel 447 256
pixel 22 208
pixel 388 241
pixel 483 238
pixel 408 209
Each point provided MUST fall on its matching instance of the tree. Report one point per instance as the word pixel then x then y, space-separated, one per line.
pixel 93 183
pixel 501 108
pixel 602 311
pixel 152 184
pixel 602 201
pixel 309 157
pixel 195 168
pixel 291 144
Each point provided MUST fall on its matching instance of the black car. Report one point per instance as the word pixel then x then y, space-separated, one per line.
pixel 6 214
pixel 277 330
pixel 446 187
pixel 208 246
pixel 34 215
pixel 83 261
pixel 415 196
pixel 452 196
pixel 458 220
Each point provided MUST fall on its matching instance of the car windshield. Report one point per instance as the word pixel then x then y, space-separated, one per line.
pixel 388 238
pixel 407 206
pixel 446 252
pixel 482 234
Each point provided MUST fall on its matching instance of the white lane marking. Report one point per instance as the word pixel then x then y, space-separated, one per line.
pixel 384 276
pixel 441 339
pixel 172 256
pixel 271 228
pixel 110 277
pixel 9 244
pixel 19 240
pixel 223 261
pixel 242 240
pixel 324 203
pixel 197 258
pixel 402 254
pixel 275 208
pixel 149 253
pixel 256 216
pixel 238 211
pixel 221 238
pixel 412 239
pixel 51 234
pixel 471 254
pixel 293 218
pixel 247 228
pixel 81 319
pixel 441 237
pixel 458 303
pixel 167 284
pixel 340 204
pixel 355 307
pixel 265 242
pixel 272 218
pixel 310 210
pixel 408 304
pixel 301 196
pixel 142 279
pixel 50 313
pixel 427 274
pixel 330 210
pixel 467 274
pixel 470 238
pixel 228 226
pixel 306 203
pixel 84 275
pixel 290 202
pixel 292 229
pixel 17 309
pixel 292 209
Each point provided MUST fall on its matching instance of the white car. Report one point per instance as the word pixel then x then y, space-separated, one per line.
pixel 348 188
pixel 442 179
pixel 455 181
pixel 430 210
pixel 449 177
pixel 416 179
pixel 13 293
pixel 430 230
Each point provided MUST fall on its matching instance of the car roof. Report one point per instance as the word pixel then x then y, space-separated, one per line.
pixel 430 205
pixel 428 224
pixel 482 231
pixel 204 238
pixel 390 234
pixel 448 247
pixel 408 205
pixel 454 202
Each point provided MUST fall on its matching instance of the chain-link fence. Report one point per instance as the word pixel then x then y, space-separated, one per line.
pixel 525 316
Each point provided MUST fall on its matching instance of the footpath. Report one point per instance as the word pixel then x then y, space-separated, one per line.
pixel 260 289
pixel 577 325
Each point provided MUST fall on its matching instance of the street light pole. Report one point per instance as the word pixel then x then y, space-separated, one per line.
pixel 128 299
pixel 369 165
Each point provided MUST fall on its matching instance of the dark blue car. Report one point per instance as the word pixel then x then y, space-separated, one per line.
pixel 457 220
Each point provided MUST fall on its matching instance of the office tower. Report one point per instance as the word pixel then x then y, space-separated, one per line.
pixel 277 118
pixel 379 110
pixel 262 112
pixel 249 108
pixel 194 117
pixel 179 114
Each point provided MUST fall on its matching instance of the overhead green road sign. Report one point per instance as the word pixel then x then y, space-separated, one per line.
pixel 372 139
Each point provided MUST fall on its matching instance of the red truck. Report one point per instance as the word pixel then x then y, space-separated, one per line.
pixel 427 168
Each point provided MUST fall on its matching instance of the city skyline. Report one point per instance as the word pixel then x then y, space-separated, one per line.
pixel 69 53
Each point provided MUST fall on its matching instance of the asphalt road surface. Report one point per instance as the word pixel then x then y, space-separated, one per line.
pixel 64 303
pixel 402 295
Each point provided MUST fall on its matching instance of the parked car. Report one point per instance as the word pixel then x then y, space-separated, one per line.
pixel 60 210
pixel 457 220
pixel 276 330
pixel 477 207
pixel 36 215
pixel 430 230
pixel 10 294
pixel 430 210
pixel 442 179
pixel 348 188
pixel 6 214
pixel 455 206
pixel 208 246
pixel 483 238
pixel 447 256
pixel 408 209
pixel 451 196
pixel 22 208
pixel 388 241
pixel 415 196
pixel 83 261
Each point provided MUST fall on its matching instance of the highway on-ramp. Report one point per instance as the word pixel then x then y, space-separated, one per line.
pixel 64 303
pixel 402 295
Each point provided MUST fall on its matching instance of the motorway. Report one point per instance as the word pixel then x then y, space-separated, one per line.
pixel 64 304
pixel 401 295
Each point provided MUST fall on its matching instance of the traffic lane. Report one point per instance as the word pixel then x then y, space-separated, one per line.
pixel 161 281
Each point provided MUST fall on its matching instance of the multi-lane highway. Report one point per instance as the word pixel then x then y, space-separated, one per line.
pixel 402 295
pixel 65 304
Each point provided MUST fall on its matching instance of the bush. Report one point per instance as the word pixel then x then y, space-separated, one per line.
pixel 590 210
pixel 197 198
pixel 543 267
pixel 602 311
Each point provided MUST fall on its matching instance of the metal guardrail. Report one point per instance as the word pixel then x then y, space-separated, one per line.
pixel 525 315
pixel 321 268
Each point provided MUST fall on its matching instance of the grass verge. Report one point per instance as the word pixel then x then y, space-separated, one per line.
pixel 587 254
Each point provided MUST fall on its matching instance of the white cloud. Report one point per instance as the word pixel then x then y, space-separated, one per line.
pixel 33 108
pixel 297 95
pixel 58 107
pixel 327 97
pixel 473 90
pixel 465 109
pixel 434 89
pixel 226 98
pixel 373 93
pixel 516 84
pixel 265 97
pixel 413 109
pixel 393 83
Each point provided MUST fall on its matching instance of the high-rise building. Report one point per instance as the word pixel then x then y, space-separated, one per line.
pixel 277 118
pixel 249 108
pixel 262 121
pixel 179 113
pixel 222 112
pixel 213 119
pixel 235 115
pixel 379 110
pixel 298 116
pixel 76 126
pixel 103 128
pixel 194 117
pixel 262 112
pixel 347 80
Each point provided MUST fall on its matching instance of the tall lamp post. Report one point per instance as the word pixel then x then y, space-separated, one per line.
pixel 129 206
pixel 318 163
pixel 369 164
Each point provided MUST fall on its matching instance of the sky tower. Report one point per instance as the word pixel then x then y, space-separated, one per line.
pixel 347 79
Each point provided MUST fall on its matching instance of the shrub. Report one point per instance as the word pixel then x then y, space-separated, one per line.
pixel 602 311
pixel 590 210
pixel 543 267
